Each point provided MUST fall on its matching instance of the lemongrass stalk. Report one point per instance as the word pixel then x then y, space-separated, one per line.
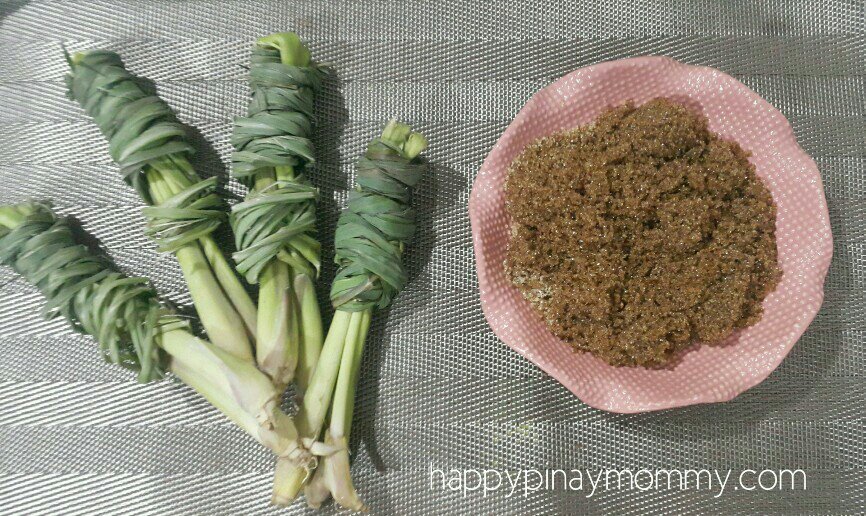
pixel 169 178
pixel 332 476
pixel 277 337
pixel 219 317
pixel 369 241
pixel 275 223
pixel 236 387
pixel 81 288
pixel 289 479
pixel 310 328
pixel 151 148
pixel 134 330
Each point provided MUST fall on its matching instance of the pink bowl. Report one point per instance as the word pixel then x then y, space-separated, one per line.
pixel 705 374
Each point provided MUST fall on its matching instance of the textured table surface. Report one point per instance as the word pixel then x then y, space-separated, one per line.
pixel 80 436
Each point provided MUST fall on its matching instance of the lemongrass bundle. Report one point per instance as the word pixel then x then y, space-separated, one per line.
pixel 275 225
pixel 133 329
pixel 151 148
pixel 369 241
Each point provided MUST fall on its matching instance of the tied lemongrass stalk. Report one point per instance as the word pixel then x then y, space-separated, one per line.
pixel 274 226
pixel 133 329
pixel 369 241
pixel 150 146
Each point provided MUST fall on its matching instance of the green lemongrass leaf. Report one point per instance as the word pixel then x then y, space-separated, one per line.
pixel 298 263
pixel 246 164
pixel 255 257
pixel 134 163
pixel 256 223
pixel 82 288
pixel 138 116
pixel 383 266
pixel 304 255
pixel 185 217
pixel 265 124
pixel 378 221
pixel 279 197
pixel 152 136
pixel 62 302
pixel 281 99
pixel 284 144
pixel 392 167
pixel 348 287
pixel 387 215
pixel 139 126
pixel 278 75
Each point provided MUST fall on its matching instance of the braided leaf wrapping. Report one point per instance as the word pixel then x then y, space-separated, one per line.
pixel 143 132
pixel 276 131
pixel 277 221
pixel 121 313
pixel 378 221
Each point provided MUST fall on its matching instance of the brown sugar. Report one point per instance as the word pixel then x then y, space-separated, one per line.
pixel 641 234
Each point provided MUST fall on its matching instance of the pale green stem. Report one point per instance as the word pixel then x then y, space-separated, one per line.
pixel 350 366
pixel 175 182
pixel 317 399
pixel 221 322
pixel 333 475
pixel 289 479
pixel 230 283
pixel 276 350
pixel 215 395
pixel 311 331
pixel 309 317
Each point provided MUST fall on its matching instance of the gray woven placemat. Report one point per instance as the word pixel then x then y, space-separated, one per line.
pixel 79 436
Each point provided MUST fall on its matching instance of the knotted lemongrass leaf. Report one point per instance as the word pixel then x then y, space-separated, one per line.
pixel 121 313
pixel 369 241
pixel 377 222
pixel 272 221
pixel 140 127
pixel 142 130
pixel 150 146
pixel 278 220
pixel 184 218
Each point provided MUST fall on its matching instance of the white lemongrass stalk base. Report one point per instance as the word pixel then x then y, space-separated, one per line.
pixel 277 339
pixel 333 478
pixel 335 378
pixel 239 390
pixel 288 478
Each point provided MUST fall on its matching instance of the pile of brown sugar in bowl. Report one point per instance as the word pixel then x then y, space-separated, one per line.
pixel 641 234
